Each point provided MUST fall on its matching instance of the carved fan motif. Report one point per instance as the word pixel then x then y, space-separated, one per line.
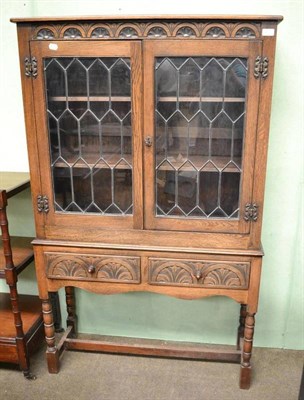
pixel 222 277
pixel 128 32
pixel 72 33
pixel 114 271
pixel 66 267
pixel 102 268
pixel 174 274
pixel 215 32
pixel 198 273
pixel 245 33
pixel 185 31
pixel 157 31
pixel 45 34
pixel 100 33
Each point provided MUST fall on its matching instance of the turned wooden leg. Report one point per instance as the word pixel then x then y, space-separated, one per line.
pixel 245 373
pixel 52 353
pixel 71 308
pixel 24 361
pixel 240 335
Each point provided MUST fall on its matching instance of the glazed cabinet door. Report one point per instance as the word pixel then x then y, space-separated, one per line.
pixel 200 116
pixel 88 122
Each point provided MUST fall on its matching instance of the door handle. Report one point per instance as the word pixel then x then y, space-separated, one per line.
pixel 148 141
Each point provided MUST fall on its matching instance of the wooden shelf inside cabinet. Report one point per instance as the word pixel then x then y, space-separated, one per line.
pixel 91 98
pixel 167 99
pixel 198 99
pixel 22 330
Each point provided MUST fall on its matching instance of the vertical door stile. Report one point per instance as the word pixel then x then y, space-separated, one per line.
pixel 149 143
pixel 41 122
pixel 253 94
pixel 137 123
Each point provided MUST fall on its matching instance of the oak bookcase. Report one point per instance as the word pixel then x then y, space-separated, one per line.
pixel 147 140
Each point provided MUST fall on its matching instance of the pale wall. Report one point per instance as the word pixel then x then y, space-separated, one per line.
pixel 280 318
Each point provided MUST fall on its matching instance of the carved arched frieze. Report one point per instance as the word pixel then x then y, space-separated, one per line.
pixel 146 29
pixel 216 31
pixel 156 30
pixel 245 31
pixel 100 31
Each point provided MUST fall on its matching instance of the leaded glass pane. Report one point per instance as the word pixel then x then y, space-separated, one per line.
pixel 165 188
pixel 199 127
pixel 90 131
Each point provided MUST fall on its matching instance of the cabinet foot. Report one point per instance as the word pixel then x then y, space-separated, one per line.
pixel 53 362
pixel 245 377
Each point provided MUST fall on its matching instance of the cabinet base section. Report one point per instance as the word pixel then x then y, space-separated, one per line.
pixel 147 347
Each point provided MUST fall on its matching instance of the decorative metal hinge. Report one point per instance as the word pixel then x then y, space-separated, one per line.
pixel 31 69
pixel 42 204
pixel 251 212
pixel 261 67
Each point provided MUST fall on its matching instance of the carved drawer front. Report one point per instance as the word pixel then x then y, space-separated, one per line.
pixel 194 273
pixel 93 267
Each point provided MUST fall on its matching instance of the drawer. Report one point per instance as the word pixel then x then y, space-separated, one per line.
pixel 90 267
pixel 198 273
